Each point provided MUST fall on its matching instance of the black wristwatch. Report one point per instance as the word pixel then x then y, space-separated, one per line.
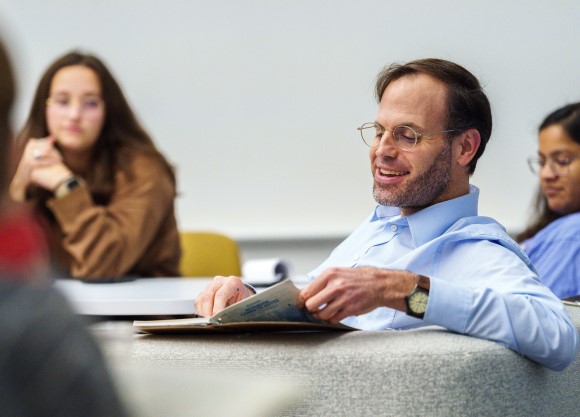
pixel 67 186
pixel 417 299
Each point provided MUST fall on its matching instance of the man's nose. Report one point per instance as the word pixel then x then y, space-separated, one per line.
pixel 387 145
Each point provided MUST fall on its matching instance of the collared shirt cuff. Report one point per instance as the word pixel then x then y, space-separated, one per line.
pixel 251 288
pixel 449 305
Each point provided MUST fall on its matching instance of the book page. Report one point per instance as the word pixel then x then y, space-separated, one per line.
pixel 189 321
pixel 277 303
pixel 273 309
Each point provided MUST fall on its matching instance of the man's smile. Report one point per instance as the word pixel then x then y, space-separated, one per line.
pixel 389 173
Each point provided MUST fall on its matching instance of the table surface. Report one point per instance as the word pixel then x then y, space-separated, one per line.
pixel 146 296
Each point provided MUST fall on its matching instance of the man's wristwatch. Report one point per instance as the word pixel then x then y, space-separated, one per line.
pixel 417 299
pixel 67 186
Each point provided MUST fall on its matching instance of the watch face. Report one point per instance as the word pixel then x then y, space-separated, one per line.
pixel 418 302
pixel 72 184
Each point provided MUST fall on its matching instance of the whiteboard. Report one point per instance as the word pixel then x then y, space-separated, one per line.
pixel 256 103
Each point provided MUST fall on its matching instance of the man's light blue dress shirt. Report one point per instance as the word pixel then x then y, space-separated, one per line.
pixel 555 252
pixel 482 284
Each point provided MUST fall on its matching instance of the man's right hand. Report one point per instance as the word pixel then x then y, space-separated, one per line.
pixel 222 292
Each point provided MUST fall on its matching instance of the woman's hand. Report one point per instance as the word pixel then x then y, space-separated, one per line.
pixel 41 165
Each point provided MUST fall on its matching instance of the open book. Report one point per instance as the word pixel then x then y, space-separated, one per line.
pixel 273 309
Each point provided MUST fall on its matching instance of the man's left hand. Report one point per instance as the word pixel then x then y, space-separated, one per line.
pixel 338 293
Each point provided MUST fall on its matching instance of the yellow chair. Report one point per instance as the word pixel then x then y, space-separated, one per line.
pixel 207 254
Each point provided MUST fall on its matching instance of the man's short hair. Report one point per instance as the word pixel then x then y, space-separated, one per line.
pixel 467 104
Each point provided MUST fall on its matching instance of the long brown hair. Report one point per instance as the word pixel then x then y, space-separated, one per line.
pixel 7 92
pixel 569 118
pixel 121 136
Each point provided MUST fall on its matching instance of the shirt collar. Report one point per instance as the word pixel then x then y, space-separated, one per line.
pixel 382 212
pixel 432 221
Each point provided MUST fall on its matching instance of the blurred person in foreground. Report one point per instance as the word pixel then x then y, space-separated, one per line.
pixel 49 364
pixel 424 256
pixel 94 176
pixel 552 240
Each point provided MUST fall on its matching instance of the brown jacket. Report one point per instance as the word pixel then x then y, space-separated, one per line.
pixel 135 234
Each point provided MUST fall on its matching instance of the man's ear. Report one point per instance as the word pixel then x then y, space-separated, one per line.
pixel 466 146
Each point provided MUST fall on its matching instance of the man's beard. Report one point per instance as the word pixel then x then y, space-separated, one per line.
pixel 421 191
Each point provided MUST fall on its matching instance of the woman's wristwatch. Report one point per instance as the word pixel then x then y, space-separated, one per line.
pixel 67 186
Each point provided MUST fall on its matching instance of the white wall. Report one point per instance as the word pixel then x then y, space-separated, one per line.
pixel 257 102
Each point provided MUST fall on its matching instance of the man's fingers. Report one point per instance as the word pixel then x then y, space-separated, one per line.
pixel 222 292
pixel 333 316
pixel 322 291
pixel 313 304
pixel 204 303
pixel 221 300
pixel 300 301
pixel 315 286
pixel 229 293
pixel 310 297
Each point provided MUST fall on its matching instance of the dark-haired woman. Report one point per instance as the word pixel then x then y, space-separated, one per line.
pixel 104 191
pixel 552 241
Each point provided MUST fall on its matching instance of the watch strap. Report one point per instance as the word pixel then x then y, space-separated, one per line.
pixel 424 282
pixel 66 186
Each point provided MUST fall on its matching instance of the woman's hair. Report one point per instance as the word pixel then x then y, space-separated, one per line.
pixel 7 91
pixel 569 118
pixel 121 135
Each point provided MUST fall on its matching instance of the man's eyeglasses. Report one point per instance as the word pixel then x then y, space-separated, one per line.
pixel 560 165
pixel 405 137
